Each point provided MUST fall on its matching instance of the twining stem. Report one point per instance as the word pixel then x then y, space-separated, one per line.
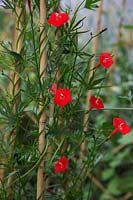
pixel 40 160
pixel 90 74
pixel 43 60
pixel 35 165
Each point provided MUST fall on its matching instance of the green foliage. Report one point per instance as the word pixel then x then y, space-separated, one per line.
pixel 107 174
pixel 91 4
pixel 129 27
pixel 37 2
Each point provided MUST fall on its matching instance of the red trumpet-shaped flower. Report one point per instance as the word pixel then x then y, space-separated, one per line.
pixel 105 60
pixel 62 97
pixel 96 103
pixel 53 89
pixel 120 125
pixel 61 165
pixel 58 19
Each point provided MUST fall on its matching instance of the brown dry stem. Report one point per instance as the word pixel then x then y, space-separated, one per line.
pixel 90 74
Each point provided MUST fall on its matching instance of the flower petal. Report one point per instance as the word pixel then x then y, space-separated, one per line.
pixel 53 88
pixel 105 59
pixel 62 97
pixel 58 19
pixel 61 165
pixel 121 125
pixel 96 103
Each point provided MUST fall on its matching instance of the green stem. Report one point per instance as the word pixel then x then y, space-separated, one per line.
pixel 34 47
pixel 109 136
pixel 59 146
pixel 71 75
pixel 92 38
pixel 130 109
pixel 84 169
pixel 117 109
pixel 36 164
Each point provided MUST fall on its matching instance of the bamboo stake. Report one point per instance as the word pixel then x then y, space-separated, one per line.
pixel 116 50
pixel 43 60
pixel 90 74
pixel 14 75
pixel 3 162
pixel 51 113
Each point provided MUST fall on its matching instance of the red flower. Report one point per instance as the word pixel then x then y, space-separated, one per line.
pixel 121 125
pixel 105 60
pixel 62 97
pixel 61 165
pixel 53 89
pixel 96 102
pixel 58 19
